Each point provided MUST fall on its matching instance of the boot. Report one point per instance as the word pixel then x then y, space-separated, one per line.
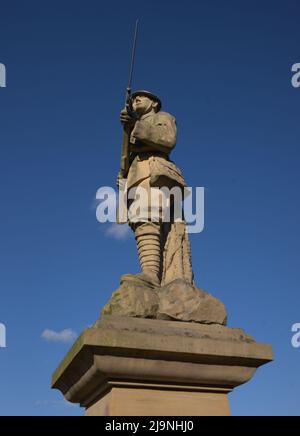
pixel 148 240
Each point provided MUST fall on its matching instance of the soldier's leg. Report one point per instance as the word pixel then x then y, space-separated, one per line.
pixel 148 239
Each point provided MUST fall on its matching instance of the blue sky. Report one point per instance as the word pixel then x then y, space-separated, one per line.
pixel 224 70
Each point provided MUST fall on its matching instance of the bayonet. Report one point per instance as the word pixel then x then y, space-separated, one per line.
pixel 125 152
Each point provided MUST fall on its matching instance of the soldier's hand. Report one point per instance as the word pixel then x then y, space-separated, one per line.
pixel 126 119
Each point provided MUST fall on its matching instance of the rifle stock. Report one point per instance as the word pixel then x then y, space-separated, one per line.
pixel 125 155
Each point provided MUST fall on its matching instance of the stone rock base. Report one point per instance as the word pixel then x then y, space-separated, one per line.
pixel 133 300
pixel 181 302
pixel 177 301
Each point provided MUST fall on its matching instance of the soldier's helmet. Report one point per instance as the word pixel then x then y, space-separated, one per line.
pixel 149 95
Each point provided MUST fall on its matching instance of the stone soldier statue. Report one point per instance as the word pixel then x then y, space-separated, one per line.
pixel 165 289
pixel 163 248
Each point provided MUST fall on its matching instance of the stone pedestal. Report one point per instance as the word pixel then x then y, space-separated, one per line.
pixel 140 367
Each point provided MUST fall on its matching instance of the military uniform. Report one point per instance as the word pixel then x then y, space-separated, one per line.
pixel 151 142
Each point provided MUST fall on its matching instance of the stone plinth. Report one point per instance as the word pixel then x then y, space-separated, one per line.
pixel 140 367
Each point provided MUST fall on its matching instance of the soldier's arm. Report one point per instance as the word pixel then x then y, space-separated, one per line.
pixel 160 135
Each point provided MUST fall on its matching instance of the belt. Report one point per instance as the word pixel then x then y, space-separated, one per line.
pixel 143 155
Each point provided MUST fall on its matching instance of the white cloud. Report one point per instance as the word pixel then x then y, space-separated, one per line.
pixel 118 231
pixel 64 336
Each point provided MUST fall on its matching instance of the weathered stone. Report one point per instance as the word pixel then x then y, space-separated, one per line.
pixel 133 300
pixel 177 263
pixel 183 302
pixel 177 301
pixel 144 367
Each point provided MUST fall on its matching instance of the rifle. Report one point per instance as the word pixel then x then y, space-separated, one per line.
pixel 125 153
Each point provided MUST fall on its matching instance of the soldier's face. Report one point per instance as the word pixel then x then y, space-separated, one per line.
pixel 143 105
